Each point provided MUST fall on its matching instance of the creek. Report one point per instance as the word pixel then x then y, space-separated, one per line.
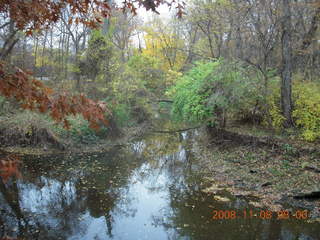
pixel 149 189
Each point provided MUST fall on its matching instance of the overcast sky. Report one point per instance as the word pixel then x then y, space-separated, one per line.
pixel 147 15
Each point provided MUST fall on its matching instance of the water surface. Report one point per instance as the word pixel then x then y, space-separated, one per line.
pixel 148 190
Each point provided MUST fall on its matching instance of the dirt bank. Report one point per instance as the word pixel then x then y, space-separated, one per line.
pixel 266 169
pixel 46 143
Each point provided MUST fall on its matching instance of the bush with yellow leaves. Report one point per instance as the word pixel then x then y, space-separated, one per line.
pixel 275 115
pixel 306 109
pixel 306 112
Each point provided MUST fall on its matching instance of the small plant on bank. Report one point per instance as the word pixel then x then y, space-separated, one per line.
pixel 81 133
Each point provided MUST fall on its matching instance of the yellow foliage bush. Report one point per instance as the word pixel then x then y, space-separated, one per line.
pixel 306 109
pixel 273 102
pixel 277 118
pixel 171 77
pixel 306 112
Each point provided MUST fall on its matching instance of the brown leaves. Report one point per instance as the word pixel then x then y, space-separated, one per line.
pixel 34 95
pixel 8 238
pixel 9 167
pixel 39 14
pixel 152 5
pixel 64 105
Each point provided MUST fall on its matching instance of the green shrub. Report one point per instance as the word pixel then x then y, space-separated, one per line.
pixel 121 114
pixel 2 105
pixel 188 103
pixel 24 119
pixel 25 122
pixel 80 132
pixel 147 72
pixel 210 91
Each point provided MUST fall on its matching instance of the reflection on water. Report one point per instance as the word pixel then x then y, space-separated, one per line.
pixel 149 190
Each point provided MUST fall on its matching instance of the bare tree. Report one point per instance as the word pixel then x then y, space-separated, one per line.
pixel 286 40
pixel 78 35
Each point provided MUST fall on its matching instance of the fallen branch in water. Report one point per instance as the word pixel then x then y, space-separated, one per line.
pixel 175 131
pixel 311 195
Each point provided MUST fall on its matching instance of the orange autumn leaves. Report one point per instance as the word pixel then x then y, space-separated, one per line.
pixel 40 14
pixel 33 95
pixel 9 167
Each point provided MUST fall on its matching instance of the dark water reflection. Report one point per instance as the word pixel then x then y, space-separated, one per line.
pixel 150 190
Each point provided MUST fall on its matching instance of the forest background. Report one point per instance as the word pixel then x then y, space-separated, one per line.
pixel 223 61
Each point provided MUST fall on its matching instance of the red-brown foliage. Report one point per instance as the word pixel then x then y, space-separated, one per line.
pixel 9 166
pixel 34 95
pixel 37 14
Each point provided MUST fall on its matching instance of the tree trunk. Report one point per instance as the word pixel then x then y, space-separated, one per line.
pixel 286 101
pixel 77 73
pixel 43 55
pixel 36 42
pixel 9 42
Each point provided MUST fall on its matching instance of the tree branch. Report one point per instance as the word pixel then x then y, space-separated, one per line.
pixel 176 131
pixel 4 25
